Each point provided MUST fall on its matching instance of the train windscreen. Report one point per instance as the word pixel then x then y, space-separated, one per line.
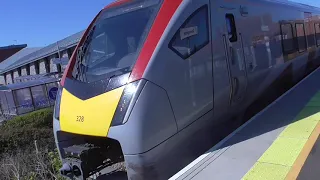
pixel 112 45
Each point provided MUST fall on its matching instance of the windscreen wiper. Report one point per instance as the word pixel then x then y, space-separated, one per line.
pixel 81 52
pixel 87 42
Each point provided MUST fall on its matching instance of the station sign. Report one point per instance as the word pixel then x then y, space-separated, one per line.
pixel 53 93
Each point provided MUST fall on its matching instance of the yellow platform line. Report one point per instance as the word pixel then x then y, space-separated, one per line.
pixel 287 154
pixel 296 168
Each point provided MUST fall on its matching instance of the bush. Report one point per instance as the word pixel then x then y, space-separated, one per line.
pixel 37 119
pixel 20 132
pixel 18 156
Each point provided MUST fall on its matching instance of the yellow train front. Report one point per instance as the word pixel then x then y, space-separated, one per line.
pixel 153 84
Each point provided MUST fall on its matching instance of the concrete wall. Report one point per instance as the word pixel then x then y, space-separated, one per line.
pixel 15 74
pixel 24 71
pixel 9 79
pixel 2 81
pixel 32 69
pixel 64 54
pixel 43 63
pixel 42 67
pixel 53 67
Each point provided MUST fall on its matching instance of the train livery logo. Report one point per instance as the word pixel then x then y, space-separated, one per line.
pixel 53 93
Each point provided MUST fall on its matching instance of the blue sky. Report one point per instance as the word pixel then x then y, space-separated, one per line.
pixel 41 22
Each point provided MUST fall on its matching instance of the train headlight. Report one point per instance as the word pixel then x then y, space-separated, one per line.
pixel 57 104
pixel 120 113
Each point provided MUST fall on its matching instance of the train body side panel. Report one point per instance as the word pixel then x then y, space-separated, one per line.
pixel 269 70
pixel 267 66
pixel 176 152
pixel 221 73
pixel 150 123
pixel 188 82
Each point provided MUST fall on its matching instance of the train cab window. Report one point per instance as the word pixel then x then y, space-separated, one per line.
pixel 111 46
pixel 317 28
pixel 301 37
pixel 193 35
pixel 287 39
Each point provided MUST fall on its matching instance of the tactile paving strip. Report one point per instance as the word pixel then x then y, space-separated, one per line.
pixel 284 151
pixel 300 129
pixel 277 161
pixel 261 171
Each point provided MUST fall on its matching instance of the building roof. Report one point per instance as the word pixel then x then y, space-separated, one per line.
pixel 13 46
pixel 46 51
pixel 7 51
pixel 12 59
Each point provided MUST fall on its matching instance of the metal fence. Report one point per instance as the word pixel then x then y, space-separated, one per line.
pixel 4 115
pixel 27 97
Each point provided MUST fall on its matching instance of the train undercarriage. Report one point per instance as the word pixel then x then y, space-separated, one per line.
pixel 92 157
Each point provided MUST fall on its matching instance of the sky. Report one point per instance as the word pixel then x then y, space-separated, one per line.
pixel 41 22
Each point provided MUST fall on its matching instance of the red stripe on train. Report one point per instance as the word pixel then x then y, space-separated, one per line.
pixel 68 71
pixel 116 3
pixel 163 18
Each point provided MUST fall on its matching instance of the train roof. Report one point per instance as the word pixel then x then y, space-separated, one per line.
pixel 291 3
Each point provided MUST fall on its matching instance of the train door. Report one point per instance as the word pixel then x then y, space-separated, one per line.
pixel 235 55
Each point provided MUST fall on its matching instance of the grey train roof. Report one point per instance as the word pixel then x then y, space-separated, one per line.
pixel 46 51
pixel 294 4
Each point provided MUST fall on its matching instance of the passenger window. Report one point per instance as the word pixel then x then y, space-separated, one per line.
pixel 301 37
pixel 317 28
pixel 287 39
pixel 231 27
pixel 193 35
pixel 309 29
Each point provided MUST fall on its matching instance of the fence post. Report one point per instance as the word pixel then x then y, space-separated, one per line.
pixel 15 101
pixel 7 103
pixel 34 107
pixel 47 95
pixel 1 107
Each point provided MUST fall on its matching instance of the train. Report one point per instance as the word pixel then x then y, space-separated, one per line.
pixel 153 84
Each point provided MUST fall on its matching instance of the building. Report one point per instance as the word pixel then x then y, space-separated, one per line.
pixel 8 51
pixel 37 61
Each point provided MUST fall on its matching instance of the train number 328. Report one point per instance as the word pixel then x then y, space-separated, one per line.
pixel 80 118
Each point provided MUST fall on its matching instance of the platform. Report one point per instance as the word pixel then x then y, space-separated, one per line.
pixel 280 142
